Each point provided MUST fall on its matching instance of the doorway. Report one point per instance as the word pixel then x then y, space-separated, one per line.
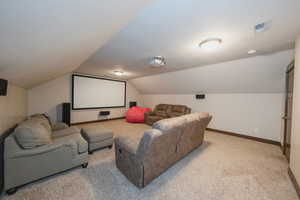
pixel 288 110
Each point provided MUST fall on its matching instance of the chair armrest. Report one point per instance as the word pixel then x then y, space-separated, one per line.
pixel 59 126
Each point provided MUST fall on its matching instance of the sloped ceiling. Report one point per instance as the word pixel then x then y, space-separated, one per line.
pixel 260 74
pixel 40 40
pixel 174 28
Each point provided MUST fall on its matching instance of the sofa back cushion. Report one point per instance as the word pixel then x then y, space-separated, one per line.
pixel 170 123
pixel 161 107
pixel 178 108
pixel 161 110
pixel 32 133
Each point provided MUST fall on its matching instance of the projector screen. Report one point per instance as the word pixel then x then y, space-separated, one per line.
pixel 91 93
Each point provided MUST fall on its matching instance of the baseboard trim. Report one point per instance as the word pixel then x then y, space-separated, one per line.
pixel 245 136
pixel 94 121
pixel 294 181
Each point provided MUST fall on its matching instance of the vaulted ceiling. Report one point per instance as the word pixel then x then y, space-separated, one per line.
pixel 40 40
pixel 174 28
pixel 260 74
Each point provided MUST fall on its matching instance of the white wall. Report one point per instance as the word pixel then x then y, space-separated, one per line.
pixel 245 96
pixel 47 97
pixel 256 115
pixel 13 107
pixel 295 137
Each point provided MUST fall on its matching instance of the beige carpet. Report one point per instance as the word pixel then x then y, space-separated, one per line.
pixel 223 168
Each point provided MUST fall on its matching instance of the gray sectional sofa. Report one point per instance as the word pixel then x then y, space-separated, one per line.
pixel 168 141
pixel 37 149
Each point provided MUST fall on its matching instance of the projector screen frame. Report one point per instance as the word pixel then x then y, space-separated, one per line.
pixel 94 77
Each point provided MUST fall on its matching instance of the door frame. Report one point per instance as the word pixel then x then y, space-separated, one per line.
pixel 290 68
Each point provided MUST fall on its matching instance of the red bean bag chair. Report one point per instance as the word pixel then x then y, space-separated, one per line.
pixel 136 114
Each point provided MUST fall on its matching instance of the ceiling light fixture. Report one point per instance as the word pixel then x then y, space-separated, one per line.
pixel 119 73
pixel 158 61
pixel 252 51
pixel 258 28
pixel 210 44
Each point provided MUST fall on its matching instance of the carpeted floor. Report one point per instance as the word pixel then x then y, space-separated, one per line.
pixel 223 168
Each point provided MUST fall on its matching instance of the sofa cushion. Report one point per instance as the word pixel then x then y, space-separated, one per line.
pixel 162 107
pixel 31 133
pixel 167 124
pixel 178 109
pixel 65 132
pixel 75 141
pixel 161 113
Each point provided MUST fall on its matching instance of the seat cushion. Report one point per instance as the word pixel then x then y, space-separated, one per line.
pixel 79 144
pixel 96 134
pixel 31 133
pixel 161 113
pixel 65 132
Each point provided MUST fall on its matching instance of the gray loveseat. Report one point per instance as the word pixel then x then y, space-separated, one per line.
pixel 168 141
pixel 36 150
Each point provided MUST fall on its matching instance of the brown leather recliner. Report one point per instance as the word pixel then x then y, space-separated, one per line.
pixel 163 111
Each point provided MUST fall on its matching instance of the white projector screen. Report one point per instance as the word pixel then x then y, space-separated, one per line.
pixel 92 93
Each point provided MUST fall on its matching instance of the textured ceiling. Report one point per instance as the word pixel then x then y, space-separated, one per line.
pixel 40 40
pixel 174 28
pixel 260 74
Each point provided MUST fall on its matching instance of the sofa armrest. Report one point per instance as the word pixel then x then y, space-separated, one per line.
pixel 128 144
pixel 35 151
pixel 128 162
pixel 188 110
pixel 73 143
pixel 59 126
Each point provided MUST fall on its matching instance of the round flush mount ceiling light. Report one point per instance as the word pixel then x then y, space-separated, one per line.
pixel 118 73
pixel 210 44
pixel 157 61
pixel 252 51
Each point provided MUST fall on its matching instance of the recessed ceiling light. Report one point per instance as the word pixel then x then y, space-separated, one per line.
pixel 210 44
pixel 252 51
pixel 119 73
pixel 158 61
